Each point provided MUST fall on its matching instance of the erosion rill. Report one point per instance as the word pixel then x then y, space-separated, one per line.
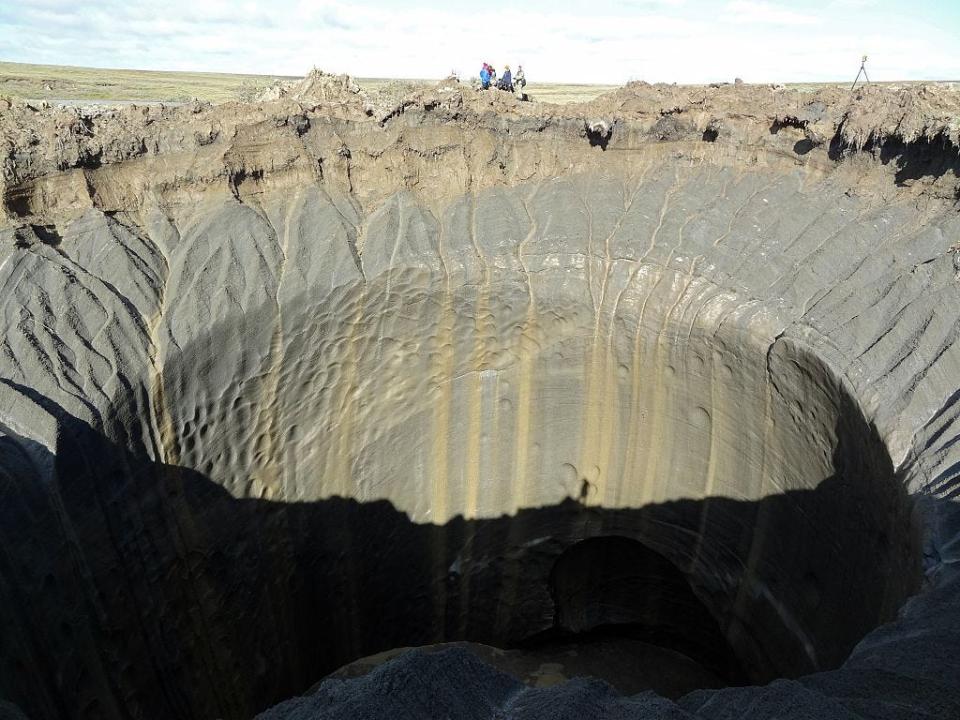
pixel 662 389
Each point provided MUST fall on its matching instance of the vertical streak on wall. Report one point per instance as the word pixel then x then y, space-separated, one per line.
pixel 657 441
pixel 529 351
pixel 440 441
pixel 492 498
pixel 716 401
pixel 470 473
pixel 521 472
pixel 608 444
pixel 599 395
pixel 626 487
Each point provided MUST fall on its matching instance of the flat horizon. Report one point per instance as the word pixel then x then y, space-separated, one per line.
pixel 838 81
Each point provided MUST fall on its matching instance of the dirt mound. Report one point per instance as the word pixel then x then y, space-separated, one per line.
pixel 317 87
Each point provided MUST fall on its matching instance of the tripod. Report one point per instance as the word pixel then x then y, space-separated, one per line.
pixel 863 71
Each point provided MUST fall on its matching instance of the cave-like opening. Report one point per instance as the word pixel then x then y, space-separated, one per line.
pixel 614 596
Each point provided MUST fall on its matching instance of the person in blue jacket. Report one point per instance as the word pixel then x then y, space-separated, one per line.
pixel 485 76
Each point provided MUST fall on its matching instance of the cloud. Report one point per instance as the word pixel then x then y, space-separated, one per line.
pixel 646 4
pixel 753 11
pixel 656 40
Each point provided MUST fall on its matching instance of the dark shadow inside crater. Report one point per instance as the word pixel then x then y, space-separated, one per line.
pixel 138 589
pixel 610 586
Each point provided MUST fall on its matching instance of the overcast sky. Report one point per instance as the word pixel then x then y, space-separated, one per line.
pixel 555 40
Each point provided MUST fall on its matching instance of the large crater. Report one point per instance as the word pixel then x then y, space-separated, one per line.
pixel 678 407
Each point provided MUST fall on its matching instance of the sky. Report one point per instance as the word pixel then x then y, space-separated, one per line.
pixel 603 41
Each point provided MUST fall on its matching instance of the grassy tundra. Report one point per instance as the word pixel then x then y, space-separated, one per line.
pixel 60 83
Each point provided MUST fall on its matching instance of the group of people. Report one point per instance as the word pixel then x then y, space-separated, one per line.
pixel 508 81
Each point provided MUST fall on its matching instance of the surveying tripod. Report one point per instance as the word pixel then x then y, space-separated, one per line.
pixel 863 71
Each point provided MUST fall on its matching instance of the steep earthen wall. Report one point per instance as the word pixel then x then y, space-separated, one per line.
pixel 289 386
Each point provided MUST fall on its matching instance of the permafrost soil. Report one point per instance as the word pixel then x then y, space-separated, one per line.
pixel 661 389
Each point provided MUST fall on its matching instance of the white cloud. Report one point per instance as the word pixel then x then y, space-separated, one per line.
pixel 754 11
pixel 656 40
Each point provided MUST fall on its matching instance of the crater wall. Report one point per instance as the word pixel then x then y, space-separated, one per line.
pixel 337 387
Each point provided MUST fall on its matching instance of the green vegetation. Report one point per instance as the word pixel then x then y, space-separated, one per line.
pixel 566 93
pixel 60 83
pixel 57 83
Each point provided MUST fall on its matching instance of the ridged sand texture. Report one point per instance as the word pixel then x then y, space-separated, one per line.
pixel 289 383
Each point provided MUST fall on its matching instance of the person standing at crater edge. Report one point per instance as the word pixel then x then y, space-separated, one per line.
pixel 506 82
pixel 519 82
pixel 485 77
